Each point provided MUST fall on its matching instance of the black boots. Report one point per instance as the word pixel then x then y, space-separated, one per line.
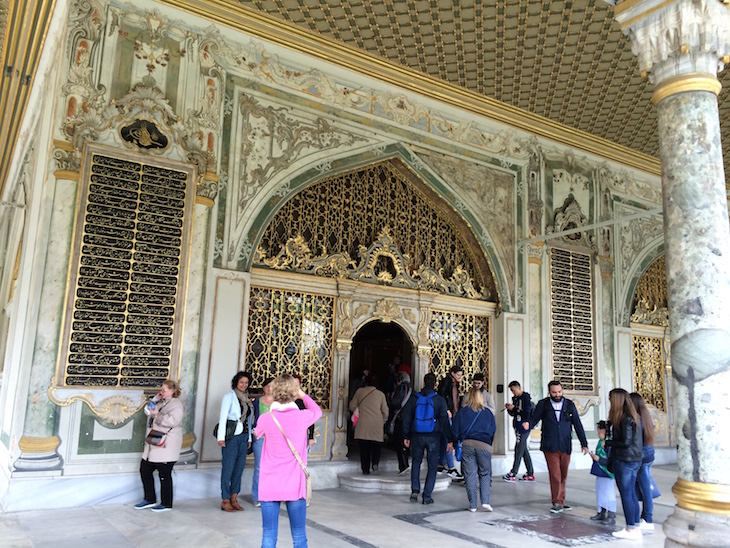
pixel 605 517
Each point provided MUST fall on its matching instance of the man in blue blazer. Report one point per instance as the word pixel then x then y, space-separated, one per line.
pixel 559 416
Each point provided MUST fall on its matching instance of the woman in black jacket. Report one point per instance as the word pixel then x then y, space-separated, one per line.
pixel 626 456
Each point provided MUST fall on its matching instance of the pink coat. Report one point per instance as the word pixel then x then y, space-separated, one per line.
pixel 280 476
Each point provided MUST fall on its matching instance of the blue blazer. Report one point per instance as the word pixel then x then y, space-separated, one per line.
pixel 557 436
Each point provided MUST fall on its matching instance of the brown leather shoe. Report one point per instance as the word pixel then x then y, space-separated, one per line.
pixel 226 505
pixel 234 502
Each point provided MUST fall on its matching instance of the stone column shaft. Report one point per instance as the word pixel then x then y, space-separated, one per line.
pixel 680 46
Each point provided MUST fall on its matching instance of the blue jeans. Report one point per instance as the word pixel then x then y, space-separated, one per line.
pixel 446 458
pixel 626 473
pixel 297 510
pixel 257 445
pixel 419 444
pixel 644 483
pixel 234 459
pixel 476 464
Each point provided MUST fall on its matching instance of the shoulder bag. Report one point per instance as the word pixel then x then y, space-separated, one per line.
pixel 157 437
pixel 296 456
pixel 230 429
pixel 457 449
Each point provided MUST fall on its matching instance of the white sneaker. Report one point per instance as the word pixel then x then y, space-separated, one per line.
pixel 633 534
pixel 488 507
pixel 472 509
pixel 646 527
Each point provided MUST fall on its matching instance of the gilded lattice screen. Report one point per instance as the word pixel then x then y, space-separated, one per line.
pixel 571 319
pixel 650 299
pixel 125 304
pixel 649 370
pixel 292 332
pixel 460 339
pixel 342 213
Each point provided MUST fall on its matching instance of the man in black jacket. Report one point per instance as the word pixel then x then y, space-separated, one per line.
pixel 520 409
pixel 424 422
pixel 559 416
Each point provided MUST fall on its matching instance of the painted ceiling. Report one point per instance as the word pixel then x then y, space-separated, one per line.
pixel 567 61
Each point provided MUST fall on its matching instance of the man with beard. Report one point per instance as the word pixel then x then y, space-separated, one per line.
pixel 559 416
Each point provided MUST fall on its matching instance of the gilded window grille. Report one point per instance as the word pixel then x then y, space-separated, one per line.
pixel 292 332
pixel 125 306
pixel 344 212
pixel 650 300
pixel 460 339
pixel 652 288
pixel 649 370
pixel 571 319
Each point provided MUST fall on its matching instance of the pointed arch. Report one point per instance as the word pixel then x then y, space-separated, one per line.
pixel 395 162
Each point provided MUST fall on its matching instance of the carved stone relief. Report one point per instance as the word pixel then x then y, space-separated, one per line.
pixel 89 117
pixel 491 195
pixel 570 216
pixel 270 139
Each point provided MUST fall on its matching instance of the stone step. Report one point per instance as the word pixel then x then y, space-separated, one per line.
pixel 388 482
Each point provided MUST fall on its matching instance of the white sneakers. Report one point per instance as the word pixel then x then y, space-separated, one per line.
pixel 630 534
pixel 487 507
pixel 646 527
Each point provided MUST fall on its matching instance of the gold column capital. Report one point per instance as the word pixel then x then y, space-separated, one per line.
pixel 712 498
pixel 694 81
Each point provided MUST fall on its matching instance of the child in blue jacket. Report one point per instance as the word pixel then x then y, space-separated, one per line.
pixel 605 490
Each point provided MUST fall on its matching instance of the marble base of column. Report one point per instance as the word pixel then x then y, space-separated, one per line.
pixel 38 462
pixel 693 528
pixel 339 446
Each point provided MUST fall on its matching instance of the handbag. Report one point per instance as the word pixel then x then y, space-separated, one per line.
pixel 355 416
pixel 230 429
pixel 296 456
pixel 457 448
pixel 155 437
pixel 654 489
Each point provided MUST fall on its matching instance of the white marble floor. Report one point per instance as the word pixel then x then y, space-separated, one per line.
pixel 339 518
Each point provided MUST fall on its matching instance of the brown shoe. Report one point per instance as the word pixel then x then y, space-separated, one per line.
pixel 226 505
pixel 234 502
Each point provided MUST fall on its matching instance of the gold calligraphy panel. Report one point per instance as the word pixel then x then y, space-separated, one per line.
pixel 460 339
pixel 292 332
pixel 649 370
pixel 124 316
pixel 571 319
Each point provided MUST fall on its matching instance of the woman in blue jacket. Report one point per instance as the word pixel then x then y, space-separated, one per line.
pixel 474 425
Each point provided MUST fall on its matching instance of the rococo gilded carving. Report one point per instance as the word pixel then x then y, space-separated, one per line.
pixel 381 263
pixel 386 310
pixel 114 409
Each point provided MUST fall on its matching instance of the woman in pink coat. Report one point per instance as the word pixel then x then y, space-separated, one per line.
pixel 281 478
pixel 166 416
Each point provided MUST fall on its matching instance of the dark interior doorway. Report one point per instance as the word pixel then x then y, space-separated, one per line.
pixel 374 347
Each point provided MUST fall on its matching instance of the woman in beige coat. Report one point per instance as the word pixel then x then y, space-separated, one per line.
pixel 373 412
pixel 166 416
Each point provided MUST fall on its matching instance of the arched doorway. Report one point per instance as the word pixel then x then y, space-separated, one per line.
pixel 374 347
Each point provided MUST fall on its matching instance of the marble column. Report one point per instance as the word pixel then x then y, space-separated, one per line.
pixel 191 335
pixel 39 442
pixel 340 402
pixel 681 46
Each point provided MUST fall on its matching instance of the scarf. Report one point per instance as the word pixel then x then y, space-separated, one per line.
pixel 244 402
